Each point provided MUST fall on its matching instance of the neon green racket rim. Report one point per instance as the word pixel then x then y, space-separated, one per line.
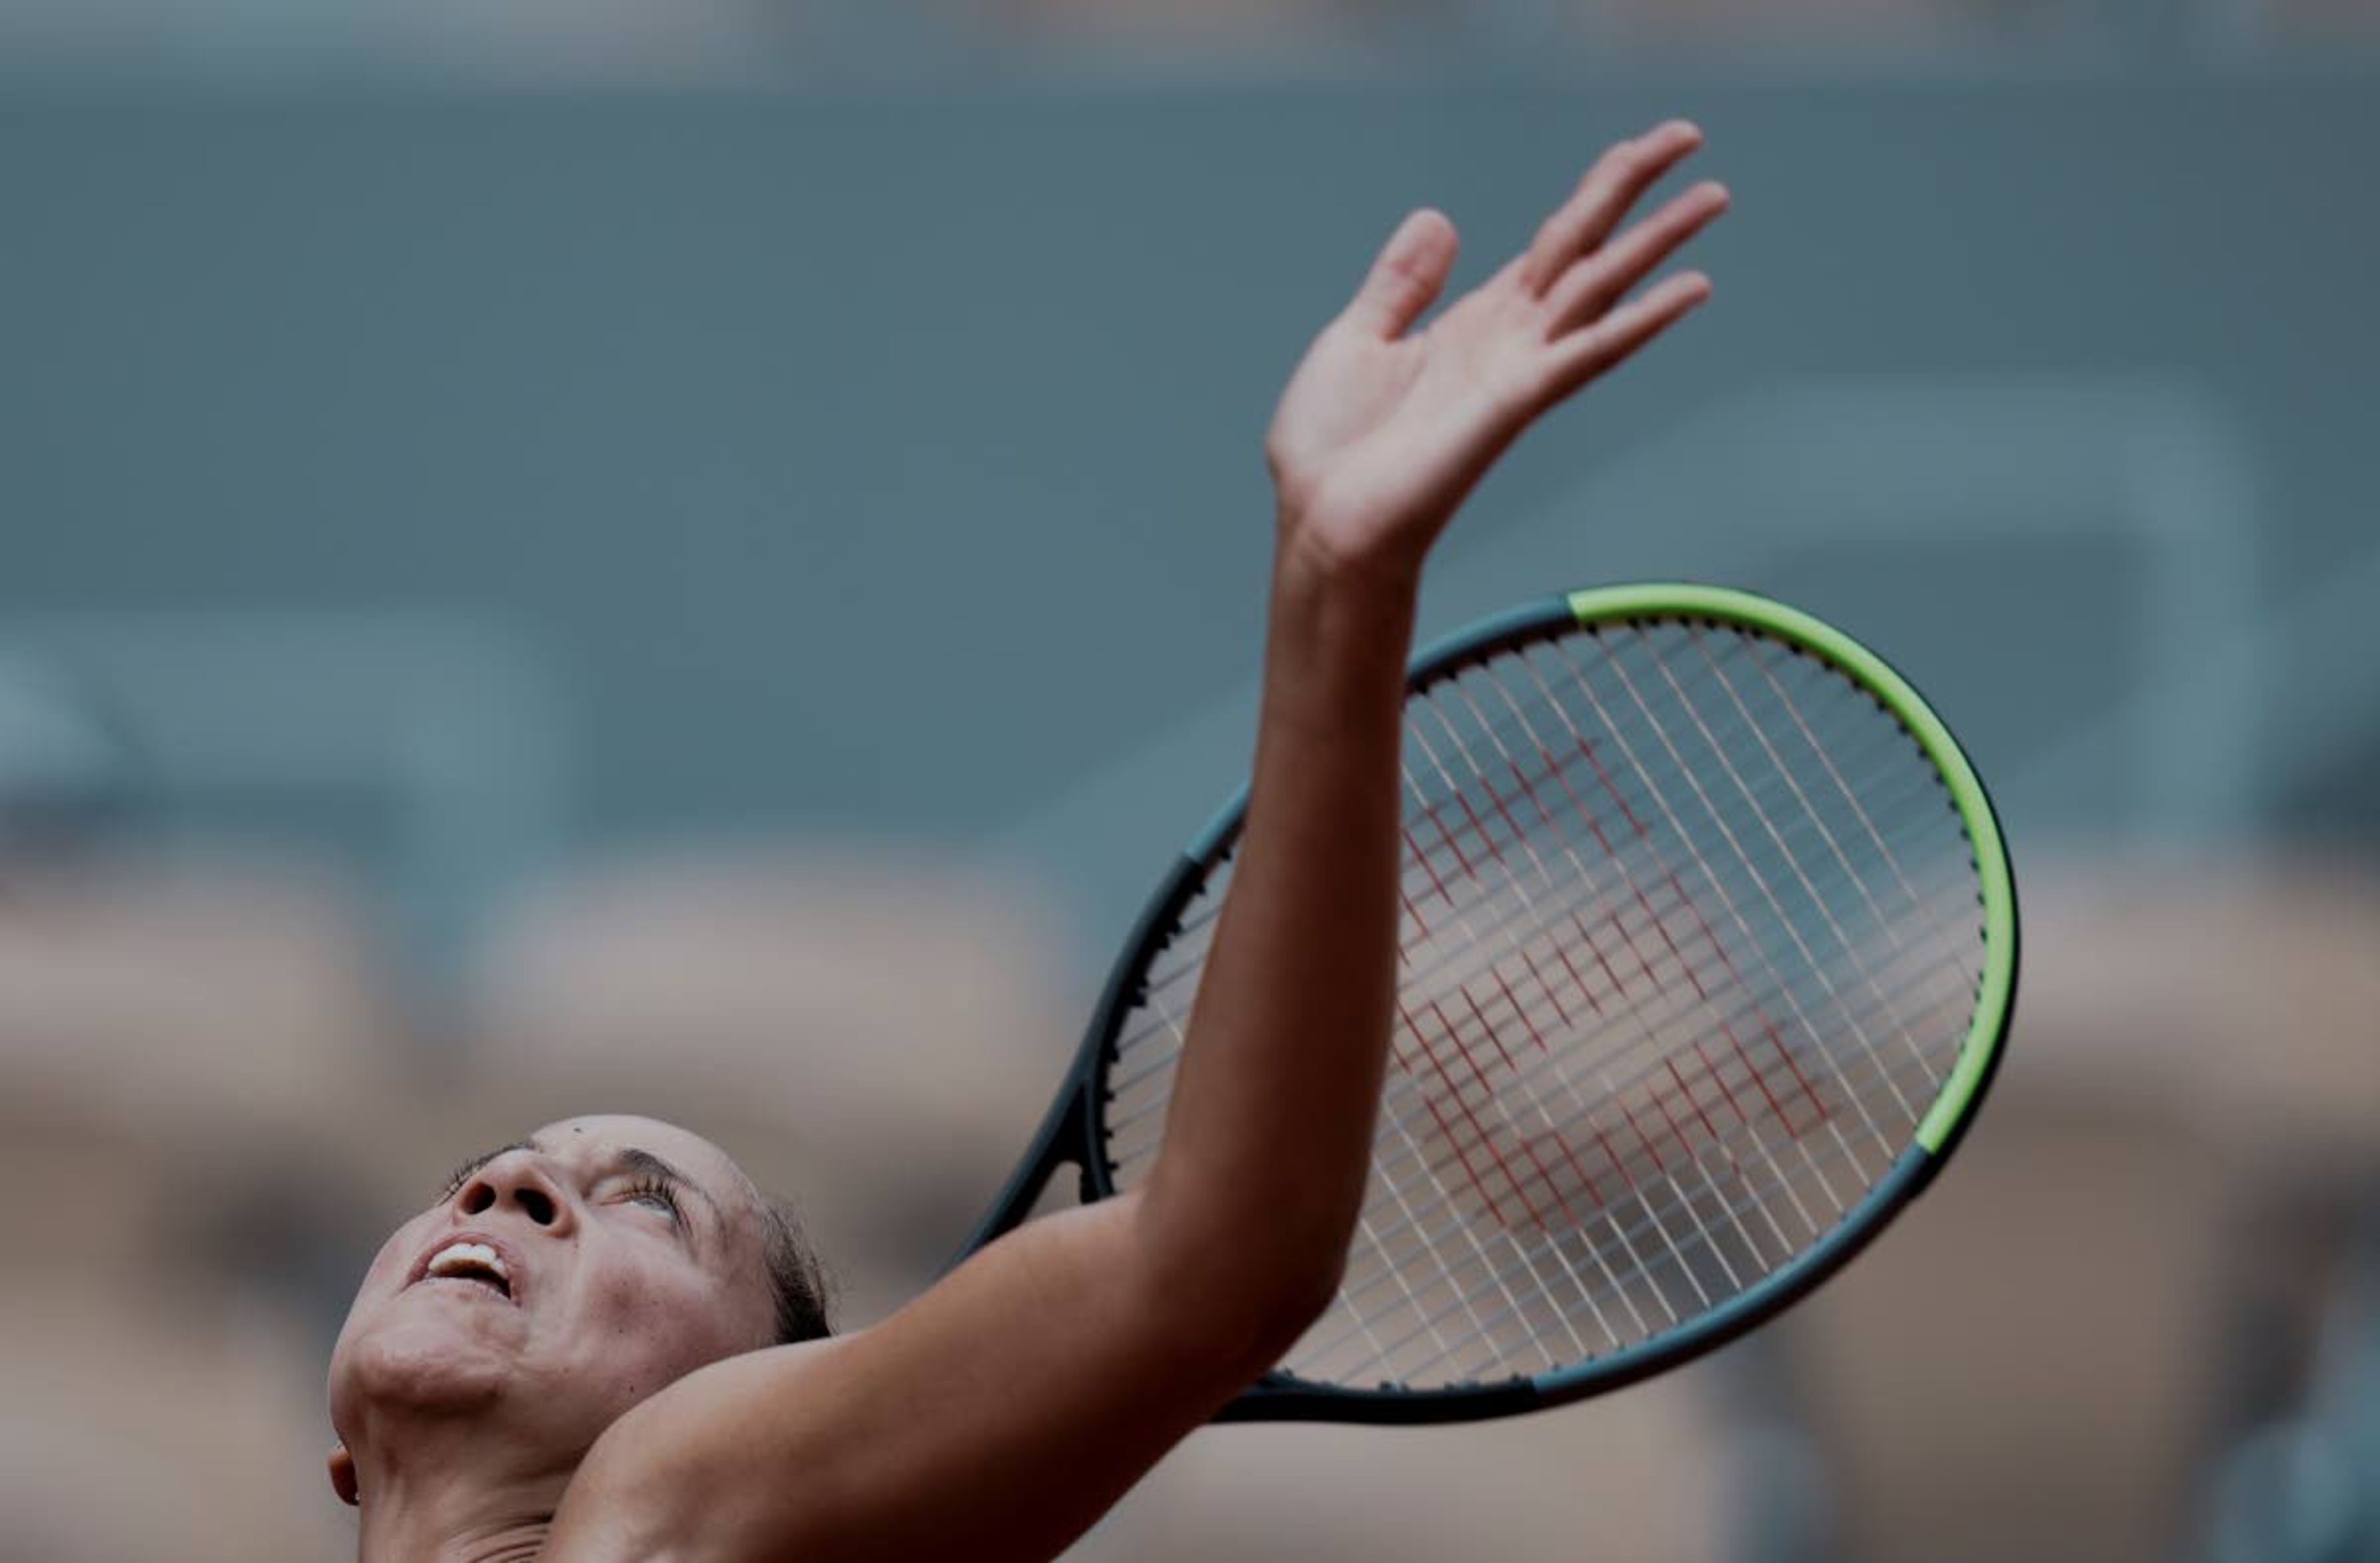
pixel 1995 885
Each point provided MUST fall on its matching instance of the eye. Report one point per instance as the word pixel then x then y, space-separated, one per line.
pixel 655 1193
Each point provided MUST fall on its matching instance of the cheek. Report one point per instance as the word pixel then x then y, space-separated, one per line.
pixel 386 1275
pixel 655 1324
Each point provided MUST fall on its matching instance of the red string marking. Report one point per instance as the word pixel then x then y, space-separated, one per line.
pixel 1586 1179
pixel 1561 953
pixel 1554 774
pixel 1548 988
pixel 1725 960
pixel 1652 1094
pixel 1488 1090
pixel 1651 1149
pixel 1619 988
pixel 1469 1172
pixel 1778 1042
pixel 1637 889
pixel 1469 813
pixel 1527 1145
pixel 1687 901
pixel 1445 1130
pixel 1527 1142
pixel 1512 999
pixel 1465 988
pixel 1736 977
pixel 1725 1089
pixel 1422 858
pixel 1486 1140
pixel 1430 812
pixel 1630 1178
pixel 1411 911
pixel 1757 1078
pixel 1498 799
pixel 1687 1091
pixel 1553 771
pixel 1625 812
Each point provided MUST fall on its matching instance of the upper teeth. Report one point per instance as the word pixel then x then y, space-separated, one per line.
pixel 462 1259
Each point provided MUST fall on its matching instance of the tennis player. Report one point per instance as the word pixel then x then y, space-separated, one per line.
pixel 603 1345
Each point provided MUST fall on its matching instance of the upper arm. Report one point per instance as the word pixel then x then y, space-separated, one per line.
pixel 995 1417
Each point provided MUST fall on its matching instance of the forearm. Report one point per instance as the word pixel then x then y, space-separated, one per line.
pixel 1267 1144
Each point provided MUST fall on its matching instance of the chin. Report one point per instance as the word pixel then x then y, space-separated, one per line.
pixel 413 1359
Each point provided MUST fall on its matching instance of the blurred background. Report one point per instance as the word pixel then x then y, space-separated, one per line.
pixel 563 556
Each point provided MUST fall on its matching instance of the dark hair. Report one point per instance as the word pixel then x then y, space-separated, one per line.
pixel 798 1283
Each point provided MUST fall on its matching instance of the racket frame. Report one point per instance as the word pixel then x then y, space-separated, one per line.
pixel 1071 1132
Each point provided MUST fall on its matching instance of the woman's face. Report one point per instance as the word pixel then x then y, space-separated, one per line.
pixel 557 1283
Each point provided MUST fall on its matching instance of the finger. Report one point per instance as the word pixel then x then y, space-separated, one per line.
pixel 1411 270
pixel 1584 354
pixel 1603 197
pixel 1599 281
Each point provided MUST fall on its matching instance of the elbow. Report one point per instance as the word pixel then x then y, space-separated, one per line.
pixel 1297 1300
pixel 1245 1291
pixel 1245 1326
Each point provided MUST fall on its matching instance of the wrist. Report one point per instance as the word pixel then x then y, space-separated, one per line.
pixel 1308 563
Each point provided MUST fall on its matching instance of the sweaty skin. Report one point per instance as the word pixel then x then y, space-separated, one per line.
pixel 614 1409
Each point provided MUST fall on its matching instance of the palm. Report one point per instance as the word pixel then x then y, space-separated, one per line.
pixel 1383 430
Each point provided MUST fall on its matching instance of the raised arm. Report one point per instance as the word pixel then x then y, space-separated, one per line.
pixel 1002 1412
pixel 1382 432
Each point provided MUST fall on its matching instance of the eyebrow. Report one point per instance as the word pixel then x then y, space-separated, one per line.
pixel 635 1158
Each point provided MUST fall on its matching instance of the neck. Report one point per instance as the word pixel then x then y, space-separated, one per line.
pixel 453 1510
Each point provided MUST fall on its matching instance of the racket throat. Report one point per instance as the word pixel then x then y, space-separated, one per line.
pixel 1061 1142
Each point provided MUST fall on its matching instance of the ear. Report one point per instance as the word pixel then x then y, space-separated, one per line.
pixel 343 1475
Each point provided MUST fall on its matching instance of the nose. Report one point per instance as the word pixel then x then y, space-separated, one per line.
pixel 516 1181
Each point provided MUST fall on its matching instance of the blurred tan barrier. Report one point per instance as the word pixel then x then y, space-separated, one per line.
pixel 1638 1477
pixel 172 1426
pixel 2030 1363
pixel 873 1036
pixel 2241 996
pixel 173 1036
pixel 182 1047
pixel 2022 1367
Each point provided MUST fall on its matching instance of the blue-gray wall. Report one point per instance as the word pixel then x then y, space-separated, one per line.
pixel 892 465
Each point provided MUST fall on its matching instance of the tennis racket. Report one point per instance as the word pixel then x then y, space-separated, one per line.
pixel 1707 947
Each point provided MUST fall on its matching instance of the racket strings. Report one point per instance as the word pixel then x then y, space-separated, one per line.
pixel 1639 1164
pixel 1657 1211
pixel 1901 788
pixel 1635 1168
pixel 1326 1358
pixel 1690 936
pixel 1397 1170
pixel 1541 970
pixel 1196 920
pixel 1655 1137
pixel 1672 1123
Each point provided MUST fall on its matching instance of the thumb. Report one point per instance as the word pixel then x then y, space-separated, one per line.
pixel 1403 281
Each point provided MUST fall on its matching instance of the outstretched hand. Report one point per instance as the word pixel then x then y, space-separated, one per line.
pixel 1384 429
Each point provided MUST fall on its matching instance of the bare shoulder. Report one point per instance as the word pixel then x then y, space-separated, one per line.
pixel 993 1418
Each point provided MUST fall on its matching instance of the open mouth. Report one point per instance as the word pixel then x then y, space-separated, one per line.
pixel 470 1264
